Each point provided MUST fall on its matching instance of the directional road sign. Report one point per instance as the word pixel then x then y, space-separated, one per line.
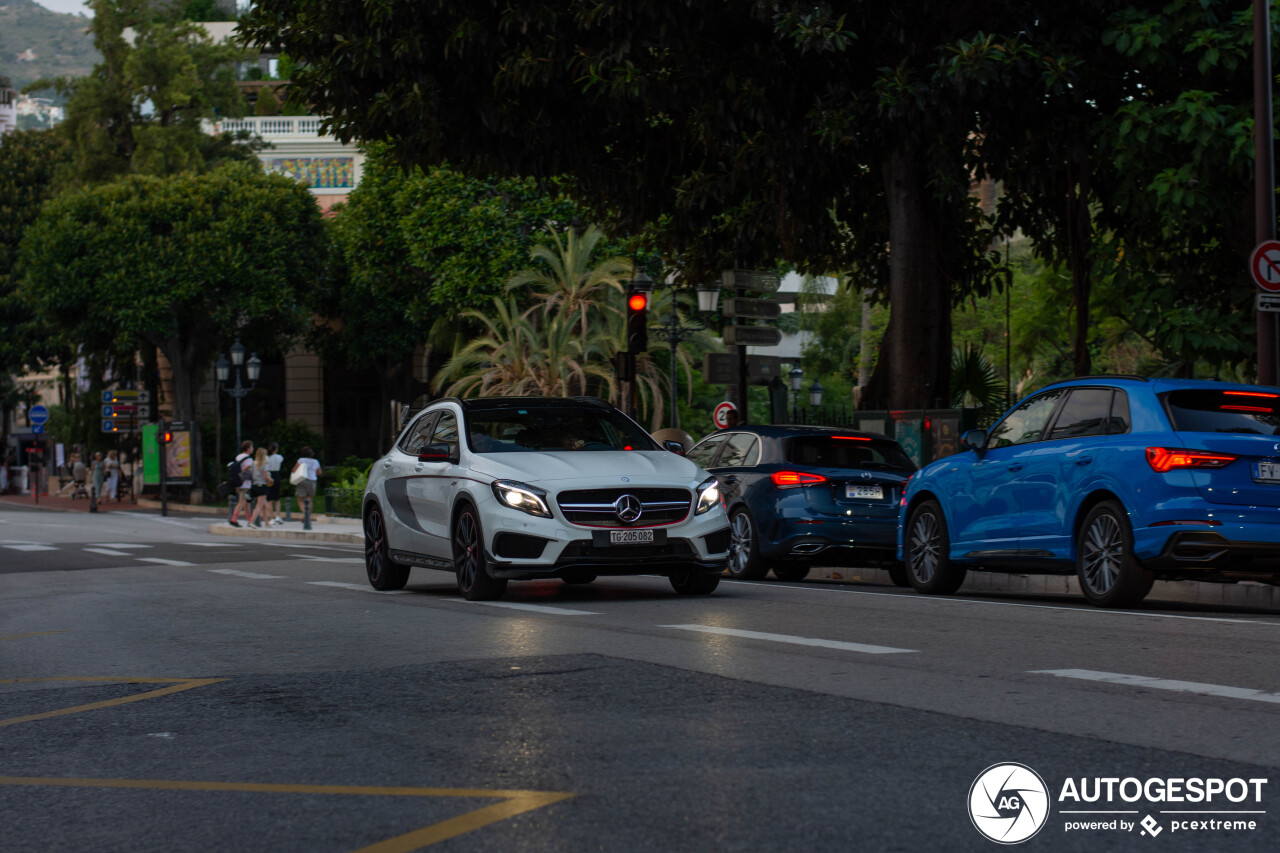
pixel 751 281
pixel 126 396
pixel 753 309
pixel 37 428
pixel 752 336
pixel 721 368
pixel 1264 265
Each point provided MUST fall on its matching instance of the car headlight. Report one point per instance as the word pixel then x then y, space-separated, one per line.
pixel 522 496
pixel 708 496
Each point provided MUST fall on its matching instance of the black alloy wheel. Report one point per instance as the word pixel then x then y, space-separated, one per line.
pixel 474 580
pixel 927 552
pixel 745 562
pixel 1109 574
pixel 383 574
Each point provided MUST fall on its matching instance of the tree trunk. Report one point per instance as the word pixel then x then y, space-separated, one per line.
pixel 1078 241
pixel 914 366
pixel 188 369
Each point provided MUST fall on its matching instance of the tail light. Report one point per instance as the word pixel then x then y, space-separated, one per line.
pixel 795 479
pixel 1162 459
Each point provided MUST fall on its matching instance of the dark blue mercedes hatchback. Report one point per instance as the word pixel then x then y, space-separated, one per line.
pixel 800 496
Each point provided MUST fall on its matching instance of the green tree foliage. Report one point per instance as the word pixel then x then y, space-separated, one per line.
pixel 140 110
pixel 414 252
pixel 740 127
pixel 27 163
pixel 187 263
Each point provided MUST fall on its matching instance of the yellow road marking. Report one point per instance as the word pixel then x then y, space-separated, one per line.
pixel 4 637
pixel 177 685
pixel 514 802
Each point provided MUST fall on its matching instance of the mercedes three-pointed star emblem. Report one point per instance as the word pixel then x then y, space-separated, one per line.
pixel 628 508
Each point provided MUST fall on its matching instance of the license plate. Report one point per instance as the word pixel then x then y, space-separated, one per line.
pixel 630 537
pixel 875 493
pixel 1267 472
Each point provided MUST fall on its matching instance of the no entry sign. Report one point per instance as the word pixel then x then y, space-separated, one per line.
pixel 1264 265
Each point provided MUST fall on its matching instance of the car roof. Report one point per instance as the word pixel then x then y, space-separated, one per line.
pixel 484 404
pixel 793 431
pixel 1155 384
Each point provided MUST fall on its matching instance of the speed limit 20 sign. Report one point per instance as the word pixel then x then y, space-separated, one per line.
pixel 722 413
pixel 1264 265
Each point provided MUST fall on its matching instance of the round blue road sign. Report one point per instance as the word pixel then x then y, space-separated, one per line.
pixel 38 414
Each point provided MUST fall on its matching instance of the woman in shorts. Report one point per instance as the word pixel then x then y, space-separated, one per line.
pixel 261 482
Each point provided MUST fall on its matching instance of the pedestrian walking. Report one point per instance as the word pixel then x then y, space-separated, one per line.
pixel 112 466
pixel 98 474
pixel 261 482
pixel 274 463
pixel 241 466
pixel 306 471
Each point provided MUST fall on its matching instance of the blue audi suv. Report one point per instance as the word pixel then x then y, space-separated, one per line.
pixel 1119 480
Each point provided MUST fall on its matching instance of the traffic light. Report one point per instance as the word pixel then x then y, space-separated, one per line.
pixel 637 321
pixel 164 436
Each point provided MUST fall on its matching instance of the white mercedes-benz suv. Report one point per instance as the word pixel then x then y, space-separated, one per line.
pixel 518 488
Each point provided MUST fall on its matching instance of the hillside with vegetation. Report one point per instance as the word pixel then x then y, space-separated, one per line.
pixel 37 43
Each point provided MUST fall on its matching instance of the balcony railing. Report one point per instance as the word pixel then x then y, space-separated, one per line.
pixel 272 125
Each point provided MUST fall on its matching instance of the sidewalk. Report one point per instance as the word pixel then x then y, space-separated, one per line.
pixel 323 529
pixel 65 504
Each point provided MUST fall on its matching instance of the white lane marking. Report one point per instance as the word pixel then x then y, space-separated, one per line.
pixel 29 547
pixel 533 608
pixel 107 552
pixel 798 641
pixel 1163 684
pixel 313 558
pixel 358 587
pixel 125 545
pixel 241 574
pixel 213 544
pixel 187 524
pixel 933 599
pixel 162 561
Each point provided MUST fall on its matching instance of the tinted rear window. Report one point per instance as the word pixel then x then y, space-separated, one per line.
pixel 1250 412
pixel 520 429
pixel 823 451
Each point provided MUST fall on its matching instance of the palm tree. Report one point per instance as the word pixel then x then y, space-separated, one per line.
pixel 570 283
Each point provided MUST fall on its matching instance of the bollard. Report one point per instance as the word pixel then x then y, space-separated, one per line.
pixel 288 508
pixel 329 494
pixel 306 515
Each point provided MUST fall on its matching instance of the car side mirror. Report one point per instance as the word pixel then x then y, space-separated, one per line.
pixel 436 453
pixel 675 447
pixel 974 439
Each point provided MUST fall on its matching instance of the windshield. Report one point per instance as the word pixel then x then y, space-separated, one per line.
pixel 520 429
pixel 1248 412
pixel 840 451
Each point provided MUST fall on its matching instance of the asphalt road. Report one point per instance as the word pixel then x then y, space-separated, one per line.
pixel 165 689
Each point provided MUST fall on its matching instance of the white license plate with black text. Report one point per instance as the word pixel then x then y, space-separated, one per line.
pixel 875 493
pixel 630 537
pixel 1267 472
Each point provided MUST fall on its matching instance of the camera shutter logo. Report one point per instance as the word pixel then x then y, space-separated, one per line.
pixel 1008 803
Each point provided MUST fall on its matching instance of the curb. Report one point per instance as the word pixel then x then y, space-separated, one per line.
pixel 1240 594
pixel 222 529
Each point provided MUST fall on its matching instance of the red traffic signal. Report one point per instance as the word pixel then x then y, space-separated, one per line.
pixel 637 322
pixel 164 436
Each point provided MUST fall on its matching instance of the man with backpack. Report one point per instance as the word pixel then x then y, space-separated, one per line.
pixel 240 480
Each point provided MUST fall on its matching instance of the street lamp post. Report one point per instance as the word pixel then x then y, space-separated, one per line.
pixel 238 392
pixel 673 332
pixel 796 375
pixel 815 394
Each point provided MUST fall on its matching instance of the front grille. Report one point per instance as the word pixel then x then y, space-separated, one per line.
pixel 596 507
